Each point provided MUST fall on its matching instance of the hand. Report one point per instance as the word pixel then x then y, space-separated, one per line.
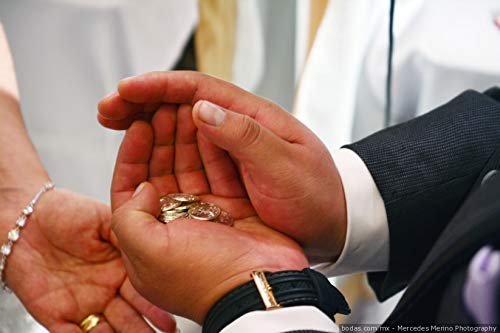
pixel 185 266
pixel 63 268
pixel 288 173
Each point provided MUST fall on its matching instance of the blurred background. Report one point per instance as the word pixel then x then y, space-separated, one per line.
pixel 325 61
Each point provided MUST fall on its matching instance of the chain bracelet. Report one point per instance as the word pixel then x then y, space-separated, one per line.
pixel 15 233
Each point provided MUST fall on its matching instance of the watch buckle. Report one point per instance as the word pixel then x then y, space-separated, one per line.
pixel 265 290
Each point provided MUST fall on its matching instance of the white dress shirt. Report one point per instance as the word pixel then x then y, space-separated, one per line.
pixel 367 241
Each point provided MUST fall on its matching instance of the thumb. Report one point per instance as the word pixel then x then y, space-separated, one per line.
pixel 135 222
pixel 242 136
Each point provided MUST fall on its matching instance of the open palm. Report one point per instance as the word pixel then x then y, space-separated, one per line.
pixel 168 155
pixel 64 268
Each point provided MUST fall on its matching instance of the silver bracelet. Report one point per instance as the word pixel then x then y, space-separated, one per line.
pixel 15 233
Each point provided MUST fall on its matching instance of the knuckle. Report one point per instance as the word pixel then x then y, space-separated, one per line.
pixel 251 132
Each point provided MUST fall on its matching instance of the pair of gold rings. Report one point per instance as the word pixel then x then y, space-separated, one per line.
pixel 90 322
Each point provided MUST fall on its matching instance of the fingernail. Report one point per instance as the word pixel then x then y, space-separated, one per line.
pixel 138 189
pixel 211 114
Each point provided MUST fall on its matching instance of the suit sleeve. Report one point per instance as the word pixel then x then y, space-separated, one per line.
pixel 424 169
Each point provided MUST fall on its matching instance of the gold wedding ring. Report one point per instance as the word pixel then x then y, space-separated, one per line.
pixel 90 322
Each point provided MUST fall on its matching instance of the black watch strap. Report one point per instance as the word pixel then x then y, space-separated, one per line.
pixel 290 288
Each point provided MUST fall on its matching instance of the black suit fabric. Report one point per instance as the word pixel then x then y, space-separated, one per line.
pixel 429 171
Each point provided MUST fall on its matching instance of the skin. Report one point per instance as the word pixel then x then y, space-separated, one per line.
pixel 64 267
pixel 185 266
pixel 287 172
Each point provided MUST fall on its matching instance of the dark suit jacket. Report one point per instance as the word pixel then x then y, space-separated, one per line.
pixel 429 172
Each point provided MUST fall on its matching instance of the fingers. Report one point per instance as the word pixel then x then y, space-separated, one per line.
pixel 240 135
pixel 118 108
pixel 180 87
pixel 161 319
pixel 161 166
pixel 143 240
pixel 148 153
pixel 183 87
pixel 123 318
pixel 188 165
pixel 220 170
pixel 117 125
pixel 132 163
pixel 175 162
pixel 135 224
pixel 103 327
pixel 117 113
pixel 65 328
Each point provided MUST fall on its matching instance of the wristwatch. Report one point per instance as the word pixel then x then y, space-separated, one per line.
pixel 281 289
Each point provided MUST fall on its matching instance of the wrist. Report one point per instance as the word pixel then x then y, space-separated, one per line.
pixel 328 241
pixel 208 300
pixel 284 289
pixel 21 171
pixel 227 285
pixel 16 230
pixel 219 291
pixel 14 197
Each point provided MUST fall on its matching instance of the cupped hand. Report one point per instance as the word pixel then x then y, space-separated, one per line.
pixel 288 173
pixel 64 268
pixel 185 266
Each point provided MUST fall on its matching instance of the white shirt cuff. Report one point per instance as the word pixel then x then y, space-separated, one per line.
pixel 293 318
pixel 367 241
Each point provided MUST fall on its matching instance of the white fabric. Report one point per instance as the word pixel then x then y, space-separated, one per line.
pixel 442 47
pixel 303 15
pixel 367 241
pixel 249 62
pixel 70 53
pixel 327 90
pixel 434 59
pixel 282 320
pixel 277 79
